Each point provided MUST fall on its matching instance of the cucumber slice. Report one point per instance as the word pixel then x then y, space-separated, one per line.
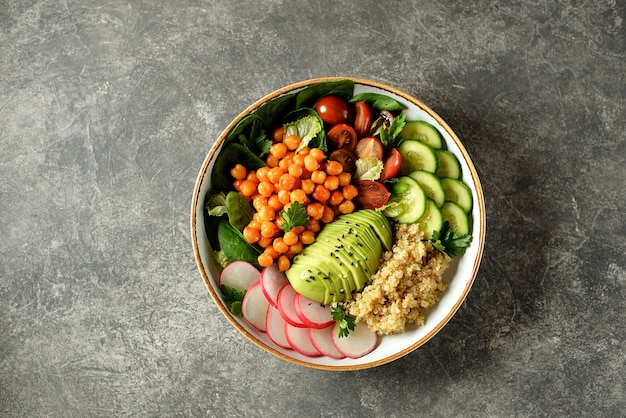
pixel 417 155
pixel 448 165
pixel 458 192
pixel 422 131
pixel 431 220
pixel 456 217
pixel 431 185
pixel 412 205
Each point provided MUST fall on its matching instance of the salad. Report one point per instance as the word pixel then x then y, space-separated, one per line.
pixel 308 193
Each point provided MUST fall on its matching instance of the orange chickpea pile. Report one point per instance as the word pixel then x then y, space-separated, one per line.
pixel 305 176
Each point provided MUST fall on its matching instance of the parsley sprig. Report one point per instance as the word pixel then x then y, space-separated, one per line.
pixel 234 298
pixel 448 242
pixel 390 136
pixel 346 321
pixel 295 215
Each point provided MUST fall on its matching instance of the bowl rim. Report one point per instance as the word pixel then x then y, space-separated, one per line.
pixel 290 88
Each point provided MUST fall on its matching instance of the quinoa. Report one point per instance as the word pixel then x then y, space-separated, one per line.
pixel 408 281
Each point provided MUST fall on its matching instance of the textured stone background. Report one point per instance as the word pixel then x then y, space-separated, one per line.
pixel 107 110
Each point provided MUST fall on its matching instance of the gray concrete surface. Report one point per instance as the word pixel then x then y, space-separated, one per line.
pixel 108 108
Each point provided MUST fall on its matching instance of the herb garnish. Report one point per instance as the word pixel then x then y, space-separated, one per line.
pixel 234 298
pixel 259 144
pixel 295 215
pixel 346 321
pixel 390 136
pixel 448 242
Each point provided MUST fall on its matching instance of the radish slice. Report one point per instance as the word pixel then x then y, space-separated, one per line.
pixel 299 340
pixel 275 325
pixel 239 275
pixel 322 339
pixel 313 314
pixel 254 306
pixel 286 306
pixel 272 281
pixel 358 343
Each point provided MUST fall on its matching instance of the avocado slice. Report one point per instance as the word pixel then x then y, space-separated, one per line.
pixel 302 277
pixel 343 258
pixel 379 222
pixel 309 279
pixel 319 259
pixel 358 259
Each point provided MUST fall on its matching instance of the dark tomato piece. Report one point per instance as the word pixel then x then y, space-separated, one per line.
pixel 383 120
pixel 387 117
pixel 346 159
pixel 362 119
pixel 370 147
pixel 372 194
pixel 333 110
pixel 391 166
pixel 342 136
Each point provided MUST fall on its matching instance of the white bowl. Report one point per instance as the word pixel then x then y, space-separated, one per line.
pixel 459 277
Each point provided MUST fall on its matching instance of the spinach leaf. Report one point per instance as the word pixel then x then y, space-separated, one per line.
pixel 244 125
pixel 309 95
pixel 234 245
pixel 230 155
pixel 272 112
pixel 239 210
pixel 250 133
pixel 378 101
pixel 210 226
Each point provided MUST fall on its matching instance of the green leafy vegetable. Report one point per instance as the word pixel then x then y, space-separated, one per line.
pixel 294 215
pixel 394 205
pixel 447 242
pixel 390 136
pixel 234 298
pixel 306 128
pixel 272 112
pixel 216 204
pixel 234 245
pixel 368 168
pixel 378 101
pixel 239 210
pixel 243 125
pixel 346 322
pixel 258 143
pixel 230 155
pixel 250 133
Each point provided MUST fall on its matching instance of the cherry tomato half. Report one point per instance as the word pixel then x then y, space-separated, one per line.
pixel 370 147
pixel 362 119
pixel 346 159
pixel 342 136
pixel 333 110
pixel 391 166
pixel 372 194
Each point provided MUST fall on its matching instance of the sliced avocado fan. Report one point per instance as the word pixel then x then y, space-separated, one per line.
pixel 343 258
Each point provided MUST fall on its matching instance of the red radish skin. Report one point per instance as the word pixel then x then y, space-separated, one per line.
pixel 286 306
pixel 357 343
pixel 275 325
pixel 254 306
pixel 239 275
pixel 311 313
pixel 322 340
pixel 300 341
pixel 272 281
